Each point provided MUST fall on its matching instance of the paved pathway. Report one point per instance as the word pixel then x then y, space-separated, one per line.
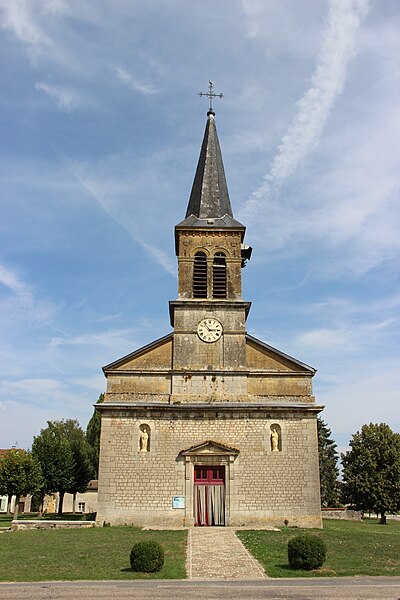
pixel 217 553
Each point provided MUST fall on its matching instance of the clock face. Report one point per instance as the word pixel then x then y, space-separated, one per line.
pixel 209 330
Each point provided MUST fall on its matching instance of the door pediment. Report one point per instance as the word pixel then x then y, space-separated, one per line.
pixel 210 448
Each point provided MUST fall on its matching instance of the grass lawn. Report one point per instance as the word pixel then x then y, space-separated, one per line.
pixel 353 548
pixel 96 553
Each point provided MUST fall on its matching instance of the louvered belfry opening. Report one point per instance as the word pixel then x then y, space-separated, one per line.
pixel 200 275
pixel 219 276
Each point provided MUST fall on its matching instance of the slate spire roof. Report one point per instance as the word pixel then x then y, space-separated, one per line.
pixel 209 196
pixel 209 203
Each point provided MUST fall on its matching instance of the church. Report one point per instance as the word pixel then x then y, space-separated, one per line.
pixel 209 426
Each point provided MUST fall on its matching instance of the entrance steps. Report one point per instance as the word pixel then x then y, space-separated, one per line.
pixel 217 553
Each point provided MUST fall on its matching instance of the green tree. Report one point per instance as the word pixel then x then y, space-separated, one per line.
pixel 53 451
pixel 93 436
pixel 328 468
pixel 20 474
pixel 81 451
pixel 371 470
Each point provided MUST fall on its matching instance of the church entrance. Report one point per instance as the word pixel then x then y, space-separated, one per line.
pixel 209 495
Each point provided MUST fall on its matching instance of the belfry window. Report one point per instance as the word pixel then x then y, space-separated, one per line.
pixel 219 276
pixel 200 275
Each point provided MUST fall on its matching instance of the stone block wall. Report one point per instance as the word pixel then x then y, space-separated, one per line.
pixel 226 241
pixel 228 353
pixel 341 513
pixel 263 487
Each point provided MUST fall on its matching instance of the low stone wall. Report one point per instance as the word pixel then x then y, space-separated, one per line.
pixel 47 524
pixel 341 513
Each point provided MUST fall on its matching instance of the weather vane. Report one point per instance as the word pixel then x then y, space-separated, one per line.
pixel 210 94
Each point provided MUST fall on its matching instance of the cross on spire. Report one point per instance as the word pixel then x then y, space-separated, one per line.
pixel 210 94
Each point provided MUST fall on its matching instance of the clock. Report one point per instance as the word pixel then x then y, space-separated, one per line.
pixel 209 330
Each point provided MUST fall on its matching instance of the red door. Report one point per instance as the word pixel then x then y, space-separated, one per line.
pixel 209 495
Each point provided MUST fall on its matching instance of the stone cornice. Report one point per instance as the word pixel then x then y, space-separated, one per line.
pixel 217 407
pixel 204 305
pixel 199 372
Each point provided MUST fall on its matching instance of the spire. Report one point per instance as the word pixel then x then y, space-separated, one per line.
pixel 209 197
pixel 209 207
pixel 209 204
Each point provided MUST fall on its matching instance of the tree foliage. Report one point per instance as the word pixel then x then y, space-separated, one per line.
pixel 64 456
pixel 328 468
pixel 83 471
pixel 371 470
pixel 93 436
pixel 20 474
pixel 56 459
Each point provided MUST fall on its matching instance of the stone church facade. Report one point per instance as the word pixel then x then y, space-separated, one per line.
pixel 209 425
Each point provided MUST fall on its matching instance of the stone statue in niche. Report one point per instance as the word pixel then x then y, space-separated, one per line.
pixel 143 439
pixel 274 439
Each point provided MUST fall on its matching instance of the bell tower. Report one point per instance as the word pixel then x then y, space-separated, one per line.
pixel 209 316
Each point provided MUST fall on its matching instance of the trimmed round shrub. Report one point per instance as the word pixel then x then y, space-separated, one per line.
pixel 306 552
pixel 147 557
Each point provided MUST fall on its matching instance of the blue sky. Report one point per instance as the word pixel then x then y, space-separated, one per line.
pixel 101 129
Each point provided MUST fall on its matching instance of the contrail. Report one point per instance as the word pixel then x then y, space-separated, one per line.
pixel 327 82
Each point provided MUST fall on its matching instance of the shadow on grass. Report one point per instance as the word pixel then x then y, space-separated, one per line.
pixel 140 573
pixel 321 572
pixel 286 567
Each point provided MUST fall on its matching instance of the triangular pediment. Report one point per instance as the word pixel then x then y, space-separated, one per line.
pixel 262 357
pixel 153 356
pixel 210 448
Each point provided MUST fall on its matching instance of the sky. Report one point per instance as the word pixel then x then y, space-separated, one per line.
pixel 101 128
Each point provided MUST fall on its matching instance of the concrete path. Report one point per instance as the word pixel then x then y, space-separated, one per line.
pixel 217 553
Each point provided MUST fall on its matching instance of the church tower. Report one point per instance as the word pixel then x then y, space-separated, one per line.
pixel 209 316
pixel 208 425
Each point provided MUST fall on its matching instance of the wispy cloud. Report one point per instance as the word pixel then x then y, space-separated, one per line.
pixel 134 83
pixel 327 82
pixel 95 383
pixel 344 338
pixel 18 16
pixel 20 305
pixel 32 22
pixel 12 281
pixel 334 306
pixel 65 98
pixel 105 193
pixel 114 338
pixel 37 390
pixel 356 400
